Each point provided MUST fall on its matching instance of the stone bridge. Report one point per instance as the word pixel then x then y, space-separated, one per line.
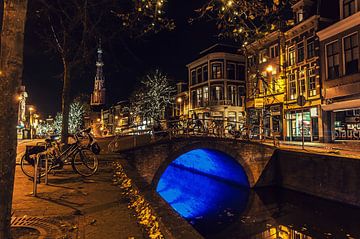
pixel 151 160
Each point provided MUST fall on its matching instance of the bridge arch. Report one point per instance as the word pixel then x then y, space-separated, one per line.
pixel 222 147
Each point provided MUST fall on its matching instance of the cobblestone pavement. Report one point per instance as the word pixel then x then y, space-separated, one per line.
pixel 81 208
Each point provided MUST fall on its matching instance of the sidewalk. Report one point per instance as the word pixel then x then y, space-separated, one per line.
pixel 73 207
pixel 342 148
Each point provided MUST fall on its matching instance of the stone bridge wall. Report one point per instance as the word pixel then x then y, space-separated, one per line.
pixel 151 161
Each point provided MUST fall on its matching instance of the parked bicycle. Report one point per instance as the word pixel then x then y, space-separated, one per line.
pixel 82 159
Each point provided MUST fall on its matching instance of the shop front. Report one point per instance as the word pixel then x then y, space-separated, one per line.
pixel 347 125
pixel 271 119
pixel 302 123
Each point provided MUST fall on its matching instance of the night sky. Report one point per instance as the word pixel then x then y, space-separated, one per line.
pixel 168 50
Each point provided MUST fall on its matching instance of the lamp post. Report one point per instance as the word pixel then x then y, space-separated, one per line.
pixel 31 110
pixel 179 100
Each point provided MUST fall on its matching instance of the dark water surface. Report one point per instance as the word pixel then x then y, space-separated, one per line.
pixel 210 190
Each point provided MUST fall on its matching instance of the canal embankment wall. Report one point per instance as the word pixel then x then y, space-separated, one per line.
pixel 330 177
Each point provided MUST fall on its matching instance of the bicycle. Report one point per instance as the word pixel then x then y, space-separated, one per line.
pixel 82 159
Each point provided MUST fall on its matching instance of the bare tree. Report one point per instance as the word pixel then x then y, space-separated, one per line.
pixel 11 66
pixel 71 29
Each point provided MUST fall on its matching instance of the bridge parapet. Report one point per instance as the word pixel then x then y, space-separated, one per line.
pixel 151 160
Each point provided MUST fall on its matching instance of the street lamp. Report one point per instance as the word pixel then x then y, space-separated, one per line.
pixel 179 100
pixel 31 110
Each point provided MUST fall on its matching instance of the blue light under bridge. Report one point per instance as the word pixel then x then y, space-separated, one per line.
pixel 205 186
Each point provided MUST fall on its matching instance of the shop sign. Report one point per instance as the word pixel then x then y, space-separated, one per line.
pixel 259 102
pixel 314 112
pixel 353 134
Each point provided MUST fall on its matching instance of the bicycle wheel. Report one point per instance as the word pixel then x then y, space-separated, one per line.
pixel 27 166
pixel 85 162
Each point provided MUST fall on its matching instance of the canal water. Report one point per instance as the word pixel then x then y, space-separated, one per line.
pixel 210 190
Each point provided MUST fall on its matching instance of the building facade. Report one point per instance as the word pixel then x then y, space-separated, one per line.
pixel 283 81
pixel 340 74
pixel 265 85
pixel 216 85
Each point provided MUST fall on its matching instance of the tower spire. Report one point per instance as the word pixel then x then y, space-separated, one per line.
pixel 98 95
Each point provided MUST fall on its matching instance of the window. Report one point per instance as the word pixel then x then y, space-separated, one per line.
pixel 206 95
pixel 299 15
pixel 216 71
pixel 351 54
pixel 312 81
pixel 242 90
pixel 310 49
pixel 199 74
pixel 217 93
pixel 205 73
pixel 193 77
pixel 251 61
pixel 301 78
pixel 332 55
pixel 348 7
pixel 291 56
pixel 199 97
pixel 232 94
pixel 263 56
pixel 193 99
pixel 300 52
pixel 274 51
pixel 292 86
pixel 240 73
pixel 230 71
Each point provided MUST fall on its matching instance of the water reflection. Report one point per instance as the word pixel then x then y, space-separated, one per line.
pixel 209 189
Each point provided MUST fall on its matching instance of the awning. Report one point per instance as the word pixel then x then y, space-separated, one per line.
pixel 343 105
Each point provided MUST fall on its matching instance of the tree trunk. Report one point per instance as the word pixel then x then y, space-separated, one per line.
pixel 11 66
pixel 65 104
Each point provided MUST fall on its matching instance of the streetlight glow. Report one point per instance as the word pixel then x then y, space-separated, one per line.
pixel 269 68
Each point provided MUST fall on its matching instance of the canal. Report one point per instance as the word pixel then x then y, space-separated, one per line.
pixel 210 190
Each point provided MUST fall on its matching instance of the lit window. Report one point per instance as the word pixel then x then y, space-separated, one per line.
pixel 299 15
pixel 232 94
pixel 312 81
pixel 274 51
pixel 199 97
pixel 301 78
pixel 216 71
pixel 291 56
pixel 206 95
pixel 292 86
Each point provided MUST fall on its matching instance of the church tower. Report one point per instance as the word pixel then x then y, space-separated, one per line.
pixel 98 95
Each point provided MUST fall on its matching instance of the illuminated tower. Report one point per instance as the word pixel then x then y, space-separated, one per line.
pixel 98 95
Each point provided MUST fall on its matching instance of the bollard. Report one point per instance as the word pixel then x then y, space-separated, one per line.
pixel 36 166
pixel 46 169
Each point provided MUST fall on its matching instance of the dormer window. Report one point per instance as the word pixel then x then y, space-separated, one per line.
pixel 349 8
pixel 299 15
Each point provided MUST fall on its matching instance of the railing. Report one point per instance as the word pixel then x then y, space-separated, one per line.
pixel 209 127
